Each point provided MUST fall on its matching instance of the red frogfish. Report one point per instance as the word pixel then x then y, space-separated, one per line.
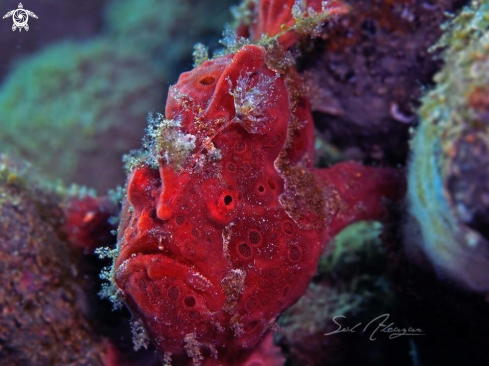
pixel 225 216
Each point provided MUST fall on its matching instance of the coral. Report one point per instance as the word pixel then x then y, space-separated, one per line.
pixel 76 100
pixel 159 30
pixel 448 172
pixel 357 243
pixel 225 216
pixel 369 68
pixel 44 307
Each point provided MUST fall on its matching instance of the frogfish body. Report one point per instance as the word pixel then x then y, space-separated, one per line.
pixel 224 224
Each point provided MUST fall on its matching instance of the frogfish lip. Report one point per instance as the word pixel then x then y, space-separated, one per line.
pixel 160 265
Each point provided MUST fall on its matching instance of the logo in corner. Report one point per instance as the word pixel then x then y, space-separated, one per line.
pixel 20 17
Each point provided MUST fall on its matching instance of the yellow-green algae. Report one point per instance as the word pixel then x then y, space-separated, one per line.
pixel 76 105
pixel 447 117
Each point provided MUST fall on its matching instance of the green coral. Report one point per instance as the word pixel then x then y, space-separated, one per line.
pixel 58 104
pixel 358 242
pixel 466 55
pixel 159 30
pixel 466 27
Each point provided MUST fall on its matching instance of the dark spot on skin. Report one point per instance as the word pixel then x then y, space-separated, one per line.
pixel 254 237
pixel 295 253
pixel 180 219
pixel 245 250
pixel 227 200
pixel 173 293
pixel 189 301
